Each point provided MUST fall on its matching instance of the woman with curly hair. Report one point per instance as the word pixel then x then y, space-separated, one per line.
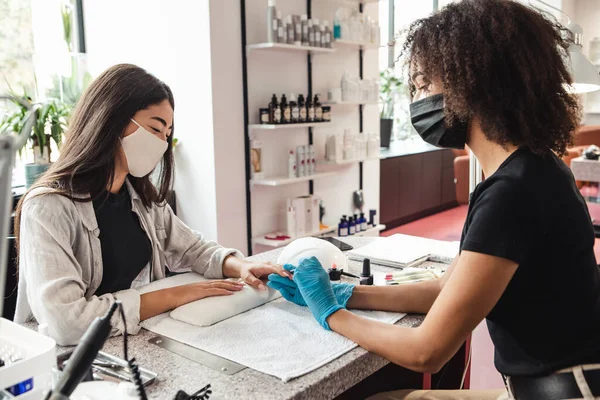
pixel 491 74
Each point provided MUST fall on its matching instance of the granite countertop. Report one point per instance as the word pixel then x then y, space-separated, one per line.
pixel 175 372
pixel 400 148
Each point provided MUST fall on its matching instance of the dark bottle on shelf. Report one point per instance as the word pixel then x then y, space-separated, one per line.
pixel 294 109
pixel 301 109
pixel 310 110
pixel 274 111
pixel 286 112
pixel 318 109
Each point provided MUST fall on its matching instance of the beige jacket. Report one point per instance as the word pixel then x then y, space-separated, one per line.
pixel 61 267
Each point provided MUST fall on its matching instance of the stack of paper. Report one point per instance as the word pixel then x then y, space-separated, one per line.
pixel 402 251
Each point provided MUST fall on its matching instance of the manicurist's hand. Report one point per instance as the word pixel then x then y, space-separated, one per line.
pixel 316 290
pixel 290 291
pixel 251 272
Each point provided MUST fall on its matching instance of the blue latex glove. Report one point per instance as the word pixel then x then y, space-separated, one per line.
pixel 316 290
pixel 289 289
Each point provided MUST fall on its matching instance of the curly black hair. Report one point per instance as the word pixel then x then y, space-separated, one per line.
pixel 504 63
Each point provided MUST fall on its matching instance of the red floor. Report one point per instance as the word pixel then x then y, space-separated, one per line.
pixel 448 225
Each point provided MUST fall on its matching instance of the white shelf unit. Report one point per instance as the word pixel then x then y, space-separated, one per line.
pixel 350 103
pixel 280 243
pixel 339 43
pixel 286 48
pixel 280 181
pixel 346 162
pixel 325 232
pixel 270 127
pixel 375 229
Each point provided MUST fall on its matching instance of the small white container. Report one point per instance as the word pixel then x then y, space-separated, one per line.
pixel 292 170
pixel 301 161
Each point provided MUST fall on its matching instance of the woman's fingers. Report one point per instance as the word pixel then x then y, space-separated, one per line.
pixel 228 285
pixel 217 292
pixel 255 282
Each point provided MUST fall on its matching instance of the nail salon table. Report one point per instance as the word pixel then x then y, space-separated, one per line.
pixel 355 375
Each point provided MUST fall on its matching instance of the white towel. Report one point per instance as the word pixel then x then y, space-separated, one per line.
pixel 278 338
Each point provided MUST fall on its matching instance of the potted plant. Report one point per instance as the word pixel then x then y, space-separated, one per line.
pixel 390 86
pixel 50 124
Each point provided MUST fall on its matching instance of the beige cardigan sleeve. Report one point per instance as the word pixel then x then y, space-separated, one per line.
pixel 186 249
pixel 56 291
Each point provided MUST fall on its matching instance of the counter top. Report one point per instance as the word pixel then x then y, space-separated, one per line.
pixel 400 148
pixel 175 372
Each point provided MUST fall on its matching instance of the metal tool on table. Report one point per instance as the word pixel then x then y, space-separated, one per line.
pixel 209 360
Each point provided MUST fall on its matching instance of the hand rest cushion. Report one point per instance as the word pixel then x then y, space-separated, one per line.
pixel 210 310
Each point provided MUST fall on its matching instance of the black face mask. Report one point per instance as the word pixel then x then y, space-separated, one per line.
pixel 427 117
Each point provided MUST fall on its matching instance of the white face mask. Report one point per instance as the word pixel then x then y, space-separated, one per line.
pixel 143 151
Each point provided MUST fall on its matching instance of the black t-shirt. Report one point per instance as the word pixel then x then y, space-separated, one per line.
pixel 531 212
pixel 126 249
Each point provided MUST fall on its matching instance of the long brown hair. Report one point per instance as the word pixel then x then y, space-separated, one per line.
pixel 86 166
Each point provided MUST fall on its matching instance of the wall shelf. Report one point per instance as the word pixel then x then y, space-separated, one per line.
pixel 375 229
pixel 280 181
pixel 346 162
pixel 271 127
pixel 349 103
pixel 355 45
pixel 351 3
pixel 281 243
pixel 286 48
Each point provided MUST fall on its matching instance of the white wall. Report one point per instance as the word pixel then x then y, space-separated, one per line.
pixel 171 39
pixel 228 122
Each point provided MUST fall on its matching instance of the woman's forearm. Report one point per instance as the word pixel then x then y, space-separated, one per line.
pixel 400 345
pixel 409 298
pixel 232 266
pixel 158 302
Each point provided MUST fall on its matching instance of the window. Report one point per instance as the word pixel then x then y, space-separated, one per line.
pixel 16 45
pixel 39 58
pixel 404 13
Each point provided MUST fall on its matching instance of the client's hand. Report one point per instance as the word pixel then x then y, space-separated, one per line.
pixel 195 291
pixel 316 290
pixel 289 289
pixel 251 271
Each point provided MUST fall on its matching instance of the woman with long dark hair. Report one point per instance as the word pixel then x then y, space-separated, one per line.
pixel 94 225
pixel 491 74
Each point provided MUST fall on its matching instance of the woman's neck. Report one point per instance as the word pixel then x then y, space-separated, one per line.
pixel 490 155
pixel 118 182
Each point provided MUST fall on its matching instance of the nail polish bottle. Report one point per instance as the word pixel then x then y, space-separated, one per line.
pixel 366 278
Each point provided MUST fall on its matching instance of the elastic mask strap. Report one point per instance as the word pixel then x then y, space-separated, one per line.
pixel 132 120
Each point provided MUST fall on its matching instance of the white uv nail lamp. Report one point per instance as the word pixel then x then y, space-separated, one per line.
pixel 327 254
